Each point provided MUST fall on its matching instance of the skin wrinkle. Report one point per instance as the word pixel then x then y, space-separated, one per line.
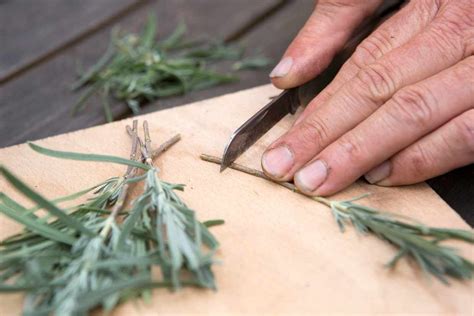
pixel 412 106
pixel 372 49
pixel 352 158
pixel 350 68
pixel 378 80
pixel 395 86
pixel 419 160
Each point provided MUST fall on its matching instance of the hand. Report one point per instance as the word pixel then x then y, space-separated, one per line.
pixel 401 109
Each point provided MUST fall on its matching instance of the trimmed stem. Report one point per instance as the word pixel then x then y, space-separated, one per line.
pixel 122 197
pixel 166 145
pixel 250 171
pixel 145 149
pixel 260 174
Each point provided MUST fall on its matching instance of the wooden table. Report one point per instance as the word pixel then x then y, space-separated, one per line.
pixel 42 42
pixel 281 253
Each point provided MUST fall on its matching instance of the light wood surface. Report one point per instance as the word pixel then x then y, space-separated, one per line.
pixel 281 252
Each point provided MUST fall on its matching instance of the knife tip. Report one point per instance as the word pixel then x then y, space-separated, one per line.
pixel 223 167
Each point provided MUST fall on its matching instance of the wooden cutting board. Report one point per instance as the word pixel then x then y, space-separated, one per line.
pixel 281 252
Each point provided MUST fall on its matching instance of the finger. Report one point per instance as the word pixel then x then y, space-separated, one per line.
pixel 393 33
pixel 324 34
pixel 449 147
pixel 412 113
pixel 363 95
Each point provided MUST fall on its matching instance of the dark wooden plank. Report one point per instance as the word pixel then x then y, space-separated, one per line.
pixel 30 31
pixel 38 103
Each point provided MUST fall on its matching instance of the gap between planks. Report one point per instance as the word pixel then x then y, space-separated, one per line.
pixel 51 53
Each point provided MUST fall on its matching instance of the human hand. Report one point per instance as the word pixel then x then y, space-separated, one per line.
pixel 400 110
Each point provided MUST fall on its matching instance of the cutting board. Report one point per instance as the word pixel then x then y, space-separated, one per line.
pixel 281 252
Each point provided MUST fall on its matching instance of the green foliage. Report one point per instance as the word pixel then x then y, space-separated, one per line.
pixel 251 63
pixel 137 69
pixel 98 253
pixel 412 239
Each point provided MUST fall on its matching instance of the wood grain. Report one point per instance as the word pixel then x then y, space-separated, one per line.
pixel 33 30
pixel 38 103
pixel 282 253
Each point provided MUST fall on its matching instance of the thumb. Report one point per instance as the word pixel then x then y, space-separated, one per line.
pixel 324 34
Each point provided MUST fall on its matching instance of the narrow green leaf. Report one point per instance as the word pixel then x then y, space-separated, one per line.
pixel 106 105
pixel 213 222
pixel 7 289
pixel 94 298
pixel 130 222
pixel 86 157
pixel 68 197
pixel 175 38
pixel 109 53
pixel 44 203
pixel 251 63
pixel 81 102
pixel 149 33
pixel 35 226
pixel 14 205
pixel 25 252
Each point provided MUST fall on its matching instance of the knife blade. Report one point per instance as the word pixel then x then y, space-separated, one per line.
pixel 289 100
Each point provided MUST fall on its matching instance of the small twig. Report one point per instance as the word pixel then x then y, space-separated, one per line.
pixel 166 145
pixel 119 204
pixel 147 152
pixel 160 150
pixel 250 171
pixel 133 155
pixel 141 145
pixel 260 174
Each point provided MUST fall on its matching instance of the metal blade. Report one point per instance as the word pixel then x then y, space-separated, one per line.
pixel 246 135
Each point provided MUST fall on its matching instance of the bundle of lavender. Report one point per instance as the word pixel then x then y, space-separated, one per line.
pixel 101 252
pixel 412 239
pixel 136 68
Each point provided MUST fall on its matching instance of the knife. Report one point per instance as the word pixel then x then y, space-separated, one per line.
pixel 289 100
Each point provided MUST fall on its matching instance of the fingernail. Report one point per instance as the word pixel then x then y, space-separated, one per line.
pixel 312 176
pixel 282 68
pixel 379 173
pixel 277 162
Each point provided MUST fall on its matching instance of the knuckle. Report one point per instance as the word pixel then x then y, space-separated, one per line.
pixel 352 147
pixel 413 106
pixel 377 81
pixel 458 15
pixel 371 49
pixel 418 160
pixel 313 131
pixel 442 39
pixel 465 130
pixel 454 26
pixel 426 9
